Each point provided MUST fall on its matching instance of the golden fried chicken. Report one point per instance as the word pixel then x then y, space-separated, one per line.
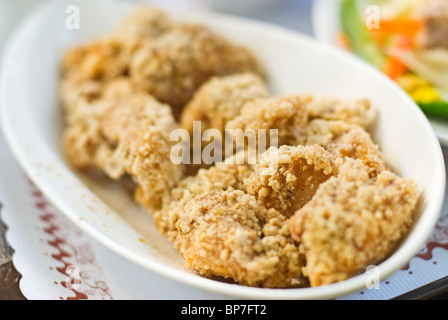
pixel 102 60
pixel 287 114
pixel 85 69
pixel 359 112
pixel 345 140
pixel 228 234
pixel 109 56
pixel 216 102
pixel 148 162
pixel 220 100
pixel 353 221
pixel 287 178
pixel 174 65
pixel 124 132
pixel 219 177
pixel 144 23
pixel 168 59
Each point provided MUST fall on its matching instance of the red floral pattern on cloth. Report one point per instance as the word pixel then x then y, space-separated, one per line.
pixel 438 239
pixel 73 258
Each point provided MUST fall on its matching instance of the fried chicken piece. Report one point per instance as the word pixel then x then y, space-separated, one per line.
pixel 148 162
pixel 359 112
pixel 287 114
pixel 116 111
pixel 84 107
pixel 228 234
pixel 353 221
pixel 108 57
pixel 179 61
pixel 344 141
pixel 219 177
pixel 168 59
pixel 142 24
pixel 103 59
pixel 220 99
pixel 216 102
pixel 125 132
pixel 287 178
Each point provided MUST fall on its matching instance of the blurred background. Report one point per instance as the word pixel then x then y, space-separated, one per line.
pixel 294 14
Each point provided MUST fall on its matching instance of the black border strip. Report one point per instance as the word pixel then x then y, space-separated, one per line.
pixel 9 276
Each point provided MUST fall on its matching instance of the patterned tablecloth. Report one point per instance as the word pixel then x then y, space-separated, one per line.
pixel 45 256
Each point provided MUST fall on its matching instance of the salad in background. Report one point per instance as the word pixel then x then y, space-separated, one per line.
pixel 409 43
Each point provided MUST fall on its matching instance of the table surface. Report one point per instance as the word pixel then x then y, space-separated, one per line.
pixel 31 258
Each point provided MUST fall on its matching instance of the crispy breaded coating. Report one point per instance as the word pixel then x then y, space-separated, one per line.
pixel 115 112
pixel 220 177
pixel 109 57
pixel 168 59
pixel 220 99
pixel 149 163
pixel 124 132
pixel 83 108
pixel 352 222
pixel 287 178
pixel 359 112
pixel 228 234
pixel 287 114
pixel 345 140
pixel 179 61
pixel 142 24
pixel 103 59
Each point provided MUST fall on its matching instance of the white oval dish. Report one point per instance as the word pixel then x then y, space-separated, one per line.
pixel 32 122
pixel 326 27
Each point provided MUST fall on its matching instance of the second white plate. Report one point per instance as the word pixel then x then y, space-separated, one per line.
pixel 326 27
